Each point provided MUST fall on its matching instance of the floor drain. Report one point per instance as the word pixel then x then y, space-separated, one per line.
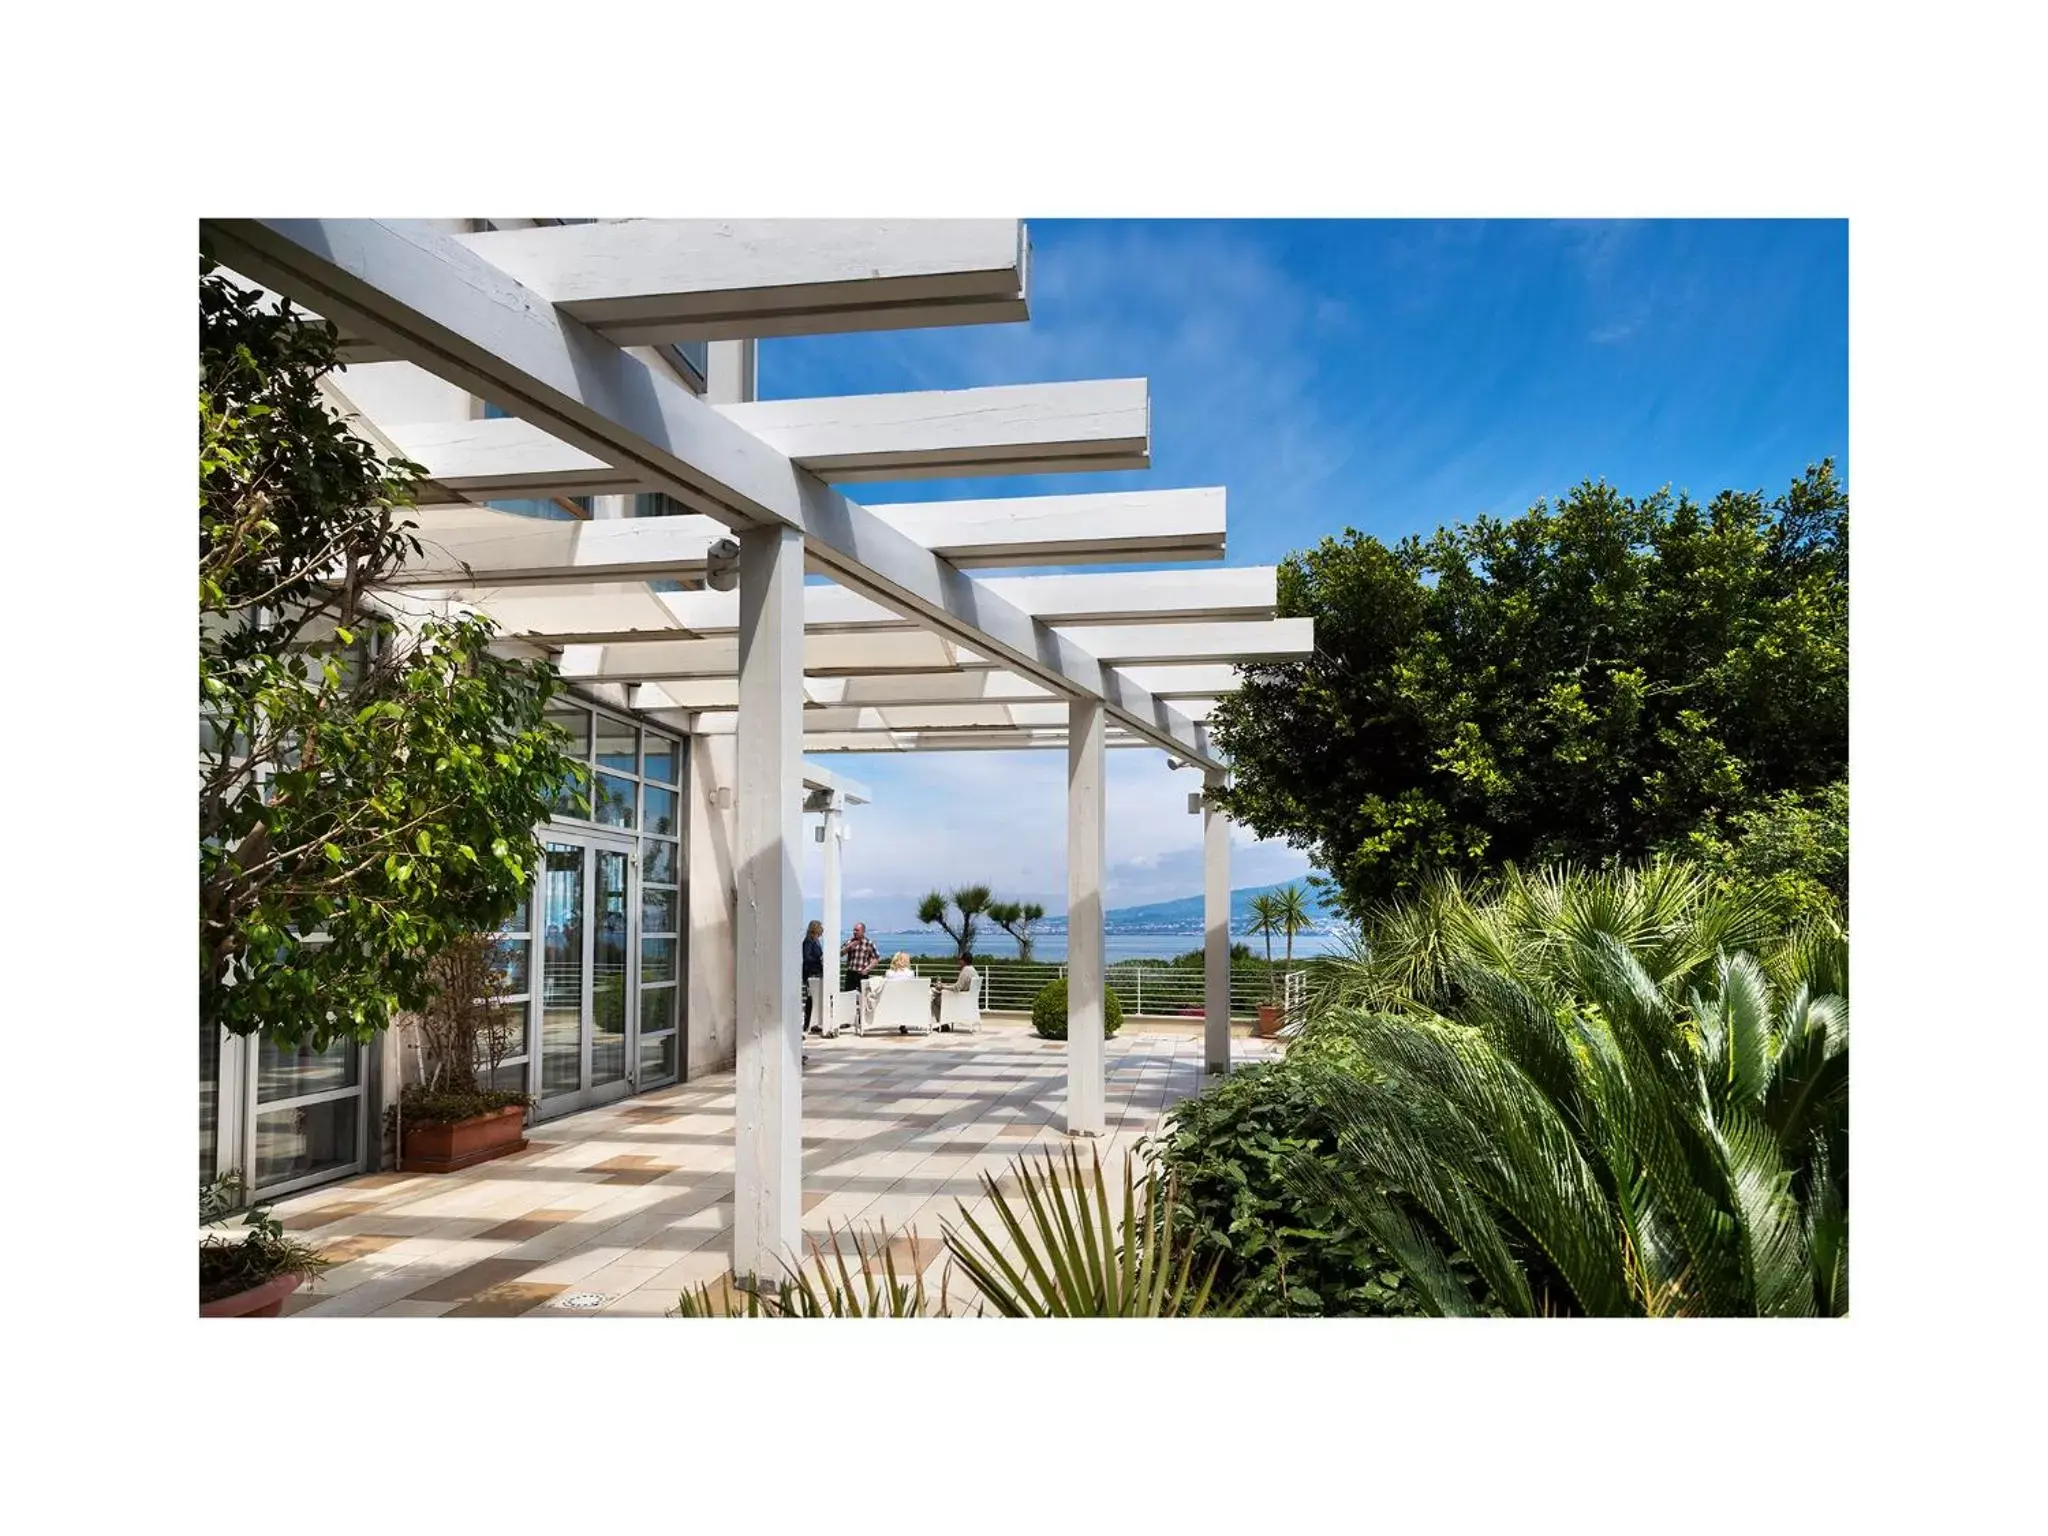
pixel 583 1301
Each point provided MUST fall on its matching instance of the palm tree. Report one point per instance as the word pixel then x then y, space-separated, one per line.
pixel 1015 918
pixel 1599 1100
pixel 971 902
pixel 1290 911
pixel 1265 923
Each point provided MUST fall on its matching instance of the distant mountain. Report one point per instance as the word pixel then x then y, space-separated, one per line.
pixel 1185 914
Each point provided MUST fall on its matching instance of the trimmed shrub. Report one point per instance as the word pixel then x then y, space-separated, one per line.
pixel 1284 1254
pixel 1049 1012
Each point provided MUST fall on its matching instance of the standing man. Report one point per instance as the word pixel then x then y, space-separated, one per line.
pixel 859 954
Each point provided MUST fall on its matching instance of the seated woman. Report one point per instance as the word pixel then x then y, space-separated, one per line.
pixel 899 964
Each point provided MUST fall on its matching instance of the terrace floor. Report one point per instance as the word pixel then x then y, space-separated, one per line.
pixel 618 1210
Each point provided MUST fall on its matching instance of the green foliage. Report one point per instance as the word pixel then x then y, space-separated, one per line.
pixel 1601 1096
pixel 229 1268
pixel 1798 844
pixel 969 902
pixel 1015 918
pixel 368 790
pixel 1282 1252
pixel 1592 681
pixel 421 1105
pixel 1063 1254
pixel 1049 1011
pixel 828 1286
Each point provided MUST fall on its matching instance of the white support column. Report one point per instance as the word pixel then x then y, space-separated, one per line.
pixel 834 829
pixel 1087 734
pixel 1216 931
pixel 768 1131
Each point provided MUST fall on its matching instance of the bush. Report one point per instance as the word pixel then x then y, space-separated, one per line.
pixel 422 1105
pixel 1049 1012
pixel 1227 1152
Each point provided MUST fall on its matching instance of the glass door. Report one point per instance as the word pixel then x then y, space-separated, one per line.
pixel 586 982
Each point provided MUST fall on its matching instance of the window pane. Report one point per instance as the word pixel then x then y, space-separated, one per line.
pixel 514 955
pixel 657 1009
pixel 618 746
pixel 574 723
pixel 612 801
pixel 293 1143
pixel 658 863
pixel 657 1060
pixel 292 1072
pixel 209 1095
pixel 509 1078
pixel 657 963
pixel 608 994
pixel 519 922
pixel 658 911
pixel 661 810
pixel 662 760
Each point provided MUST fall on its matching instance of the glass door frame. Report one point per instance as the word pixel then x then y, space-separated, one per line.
pixel 586 1095
pixel 243 1060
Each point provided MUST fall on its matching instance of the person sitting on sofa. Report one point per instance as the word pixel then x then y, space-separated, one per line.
pixel 966 982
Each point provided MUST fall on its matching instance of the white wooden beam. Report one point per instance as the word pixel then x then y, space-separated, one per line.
pixel 1132 645
pixel 435 302
pixel 1087 732
pixel 768 1090
pixel 654 661
pixel 653 280
pixel 1117 527
pixel 627 612
pixel 1013 429
pixel 1008 429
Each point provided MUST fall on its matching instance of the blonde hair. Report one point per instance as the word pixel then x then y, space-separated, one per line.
pixel 900 961
pixel 816 930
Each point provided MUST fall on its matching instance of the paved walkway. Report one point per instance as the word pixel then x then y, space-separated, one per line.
pixel 618 1210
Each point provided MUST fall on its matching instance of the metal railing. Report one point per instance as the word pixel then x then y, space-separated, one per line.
pixel 1154 991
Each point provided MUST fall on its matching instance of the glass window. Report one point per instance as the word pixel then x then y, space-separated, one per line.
pixel 658 861
pixel 657 1010
pixel 293 1072
pixel 209 1096
pixel 657 963
pixel 618 746
pixel 513 955
pixel 658 911
pixel 296 1143
pixel 613 801
pixel 662 760
pixel 657 504
pixel 519 922
pixel 657 1059
pixel 573 721
pixel 660 807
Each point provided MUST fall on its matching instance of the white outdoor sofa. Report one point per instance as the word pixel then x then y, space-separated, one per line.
pixel 959 1010
pixel 902 1005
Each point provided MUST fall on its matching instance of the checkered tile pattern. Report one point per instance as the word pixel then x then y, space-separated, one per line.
pixel 632 1204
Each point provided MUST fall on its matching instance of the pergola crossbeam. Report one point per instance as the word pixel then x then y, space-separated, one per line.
pixel 434 301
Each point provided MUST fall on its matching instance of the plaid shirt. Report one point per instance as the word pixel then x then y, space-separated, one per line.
pixel 860 953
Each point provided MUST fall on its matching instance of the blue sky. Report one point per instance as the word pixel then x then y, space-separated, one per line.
pixel 1387 376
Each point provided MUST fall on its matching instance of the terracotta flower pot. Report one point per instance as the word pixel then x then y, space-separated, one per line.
pixel 266 1300
pixel 445 1147
pixel 1269 1021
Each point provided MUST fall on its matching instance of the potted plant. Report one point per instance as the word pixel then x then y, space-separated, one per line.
pixel 250 1278
pixel 446 1120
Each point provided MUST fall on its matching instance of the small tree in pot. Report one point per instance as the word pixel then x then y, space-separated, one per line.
pixel 448 1119
pixel 252 1277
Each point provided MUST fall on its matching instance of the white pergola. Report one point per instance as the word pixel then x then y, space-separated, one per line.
pixel 569 330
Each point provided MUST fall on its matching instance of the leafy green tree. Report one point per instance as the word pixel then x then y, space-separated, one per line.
pixel 1796 843
pixel 1015 918
pixel 970 902
pixel 1594 680
pixel 368 788
pixel 1291 916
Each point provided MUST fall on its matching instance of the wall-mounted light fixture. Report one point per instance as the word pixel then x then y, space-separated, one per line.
pixel 1195 803
pixel 720 799
pixel 722 565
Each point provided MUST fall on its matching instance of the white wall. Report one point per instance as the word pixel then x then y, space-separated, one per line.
pixel 712 1018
